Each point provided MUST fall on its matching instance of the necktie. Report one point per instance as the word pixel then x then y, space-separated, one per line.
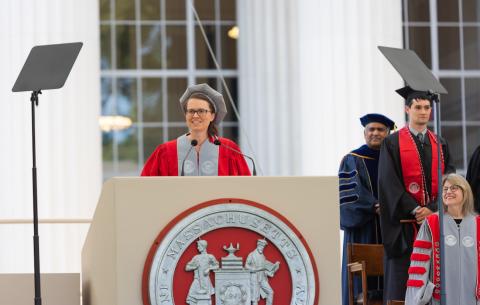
pixel 420 137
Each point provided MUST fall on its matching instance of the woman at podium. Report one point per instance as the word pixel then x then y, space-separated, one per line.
pixel 200 152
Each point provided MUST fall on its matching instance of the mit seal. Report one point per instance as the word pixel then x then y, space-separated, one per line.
pixel 233 252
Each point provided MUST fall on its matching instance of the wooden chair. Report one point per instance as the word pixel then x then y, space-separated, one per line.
pixel 366 259
pixel 393 302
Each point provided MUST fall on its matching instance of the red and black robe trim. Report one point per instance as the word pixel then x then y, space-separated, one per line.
pixel 412 169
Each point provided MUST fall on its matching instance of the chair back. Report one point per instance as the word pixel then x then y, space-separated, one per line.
pixel 371 254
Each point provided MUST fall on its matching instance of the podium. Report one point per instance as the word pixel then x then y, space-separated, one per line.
pixel 132 212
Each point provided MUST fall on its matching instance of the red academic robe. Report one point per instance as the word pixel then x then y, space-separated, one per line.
pixel 164 161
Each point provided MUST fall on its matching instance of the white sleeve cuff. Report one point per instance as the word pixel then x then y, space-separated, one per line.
pixel 414 211
pixel 427 294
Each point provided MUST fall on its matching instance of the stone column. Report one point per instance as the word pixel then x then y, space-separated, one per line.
pixel 308 71
pixel 68 136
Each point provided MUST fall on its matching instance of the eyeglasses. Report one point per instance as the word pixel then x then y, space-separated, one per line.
pixel 201 112
pixel 452 188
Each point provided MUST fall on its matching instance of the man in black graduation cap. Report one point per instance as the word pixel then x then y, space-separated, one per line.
pixel 407 187
pixel 473 177
pixel 359 214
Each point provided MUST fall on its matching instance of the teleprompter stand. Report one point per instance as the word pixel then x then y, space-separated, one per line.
pixel 47 67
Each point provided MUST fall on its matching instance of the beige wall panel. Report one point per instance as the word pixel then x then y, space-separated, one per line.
pixel 143 206
pixel 57 289
pixel 99 270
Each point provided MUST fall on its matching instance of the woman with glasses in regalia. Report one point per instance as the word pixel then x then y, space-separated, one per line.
pixel 200 152
pixel 461 251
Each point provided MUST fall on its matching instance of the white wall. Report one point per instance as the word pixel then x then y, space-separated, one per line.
pixel 68 137
pixel 308 70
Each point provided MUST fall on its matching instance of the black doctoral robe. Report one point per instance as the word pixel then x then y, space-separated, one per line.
pixel 473 177
pixel 358 196
pixel 397 204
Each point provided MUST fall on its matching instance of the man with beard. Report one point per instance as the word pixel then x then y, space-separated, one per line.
pixel 359 213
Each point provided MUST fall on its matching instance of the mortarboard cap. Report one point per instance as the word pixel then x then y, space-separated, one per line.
pixel 421 83
pixel 409 94
pixel 211 95
pixel 378 118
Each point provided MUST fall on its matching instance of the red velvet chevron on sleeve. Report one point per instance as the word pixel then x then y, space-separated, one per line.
pixel 414 283
pixel 422 244
pixel 417 270
pixel 420 257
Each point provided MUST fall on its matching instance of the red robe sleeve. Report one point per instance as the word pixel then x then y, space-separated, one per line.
pixel 231 163
pixel 163 161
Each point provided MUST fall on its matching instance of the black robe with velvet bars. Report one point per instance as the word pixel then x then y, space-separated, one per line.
pixel 397 204
pixel 358 195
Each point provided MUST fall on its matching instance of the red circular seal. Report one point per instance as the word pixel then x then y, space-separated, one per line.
pixel 414 187
pixel 248 254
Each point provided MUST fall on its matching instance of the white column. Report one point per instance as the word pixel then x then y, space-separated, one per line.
pixel 68 137
pixel 308 71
